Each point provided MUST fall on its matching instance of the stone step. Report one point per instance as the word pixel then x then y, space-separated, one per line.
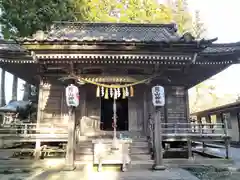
pixel 139 139
pixel 135 142
pixel 139 144
pixel 134 158
pixel 140 157
pixel 140 165
pixel 84 150
pixel 84 157
pixel 109 134
pixel 137 150
pixel 133 150
pixel 84 144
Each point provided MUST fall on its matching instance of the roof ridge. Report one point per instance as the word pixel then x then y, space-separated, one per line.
pixel 78 23
pixel 232 44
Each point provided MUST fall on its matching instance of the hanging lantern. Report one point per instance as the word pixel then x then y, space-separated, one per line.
pixel 72 95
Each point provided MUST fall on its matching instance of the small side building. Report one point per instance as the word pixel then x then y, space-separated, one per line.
pixel 215 115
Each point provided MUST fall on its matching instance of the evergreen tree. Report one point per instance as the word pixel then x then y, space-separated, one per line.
pixel 135 11
pixel 25 17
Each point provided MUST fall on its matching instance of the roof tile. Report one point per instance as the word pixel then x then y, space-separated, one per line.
pixel 68 31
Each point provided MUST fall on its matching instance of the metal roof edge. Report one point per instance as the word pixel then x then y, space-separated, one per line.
pixel 225 106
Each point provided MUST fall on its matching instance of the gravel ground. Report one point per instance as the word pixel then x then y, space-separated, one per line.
pixel 213 173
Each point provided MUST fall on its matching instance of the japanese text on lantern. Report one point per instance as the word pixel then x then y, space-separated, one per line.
pixel 72 96
pixel 158 96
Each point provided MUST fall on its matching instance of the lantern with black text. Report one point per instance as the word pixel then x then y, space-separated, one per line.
pixel 72 96
pixel 158 96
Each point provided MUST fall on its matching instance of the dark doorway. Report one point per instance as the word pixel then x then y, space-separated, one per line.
pixel 107 114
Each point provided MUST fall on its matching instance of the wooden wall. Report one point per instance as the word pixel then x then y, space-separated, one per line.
pixel 53 108
pixel 176 106
pixel 54 105
pixel 136 109
pixel 90 119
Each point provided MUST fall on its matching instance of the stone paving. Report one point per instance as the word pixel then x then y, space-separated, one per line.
pixel 169 174
pixel 233 153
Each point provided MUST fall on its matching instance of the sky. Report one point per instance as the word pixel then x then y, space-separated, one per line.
pixel 221 19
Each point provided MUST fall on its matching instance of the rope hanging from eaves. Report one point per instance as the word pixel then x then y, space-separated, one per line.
pixel 115 91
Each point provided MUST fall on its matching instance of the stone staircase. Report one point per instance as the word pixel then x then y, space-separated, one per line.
pixel 84 152
pixel 139 150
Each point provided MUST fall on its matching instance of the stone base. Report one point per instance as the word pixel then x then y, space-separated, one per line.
pixel 158 167
pixel 69 168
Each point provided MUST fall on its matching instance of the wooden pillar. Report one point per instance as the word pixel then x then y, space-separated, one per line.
pixel 158 165
pixel 71 140
pixel 2 89
pixel 187 105
pixel 166 107
pixel 189 141
pixel 14 88
pixel 145 111
pixel 227 140
pixel 83 96
pixel 39 117
pixel 189 144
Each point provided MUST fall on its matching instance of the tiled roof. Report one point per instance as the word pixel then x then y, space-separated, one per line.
pixel 10 46
pixel 11 52
pixel 222 48
pixel 119 32
pixel 222 108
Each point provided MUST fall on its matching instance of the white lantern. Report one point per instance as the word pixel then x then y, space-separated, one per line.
pixel 158 96
pixel 72 96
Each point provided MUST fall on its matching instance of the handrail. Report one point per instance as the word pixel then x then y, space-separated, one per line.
pixel 210 124
pixel 32 128
pixel 177 128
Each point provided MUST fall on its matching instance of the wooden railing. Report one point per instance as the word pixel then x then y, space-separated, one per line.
pixel 192 129
pixel 30 132
pixel 31 128
pixel 192 132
